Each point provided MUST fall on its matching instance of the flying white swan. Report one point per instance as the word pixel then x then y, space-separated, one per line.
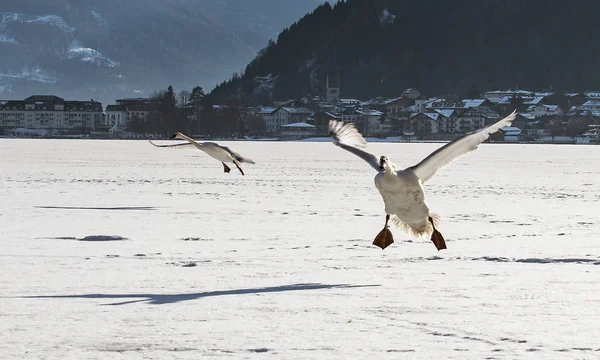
pixel 402 190
pixel 219 152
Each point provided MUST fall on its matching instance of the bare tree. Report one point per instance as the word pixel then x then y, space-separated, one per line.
pixel 183 98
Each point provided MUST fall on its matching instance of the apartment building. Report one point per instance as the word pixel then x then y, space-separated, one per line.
pixel 50 113
pixel 126 109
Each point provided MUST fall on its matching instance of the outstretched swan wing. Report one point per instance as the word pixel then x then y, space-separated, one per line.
pixel 457 147
pixel 179 146
pixel 348 138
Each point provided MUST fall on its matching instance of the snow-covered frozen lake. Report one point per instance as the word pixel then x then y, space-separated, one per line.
pixel 117 249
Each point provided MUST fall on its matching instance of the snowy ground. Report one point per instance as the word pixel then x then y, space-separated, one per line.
pixel 117 249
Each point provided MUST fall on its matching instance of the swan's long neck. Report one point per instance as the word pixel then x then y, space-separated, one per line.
pixel 198 145
pixel 389 169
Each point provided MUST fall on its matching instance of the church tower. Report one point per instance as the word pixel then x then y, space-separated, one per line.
pixel 332 91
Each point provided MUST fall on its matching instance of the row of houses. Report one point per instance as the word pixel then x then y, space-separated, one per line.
pixel 443 118
pixel 409 114
pixel 53 115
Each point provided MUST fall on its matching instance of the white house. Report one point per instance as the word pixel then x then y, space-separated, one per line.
pixel 544 110
pixel 496 96
pixel 511 133
pixel 369 121
pixel 591 94
pixel 299 130
pixel 469 120
pixel 268 116
pixel 127 109
pixel 426 123
pixel 284 115
pixel 350 102
pixel 116 115
pixel 591 105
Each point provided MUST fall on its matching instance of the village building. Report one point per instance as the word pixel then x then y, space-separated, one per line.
pixel 300 130
pixel 120 115
pixel 540 110
pixel 49 114
pixel 274 118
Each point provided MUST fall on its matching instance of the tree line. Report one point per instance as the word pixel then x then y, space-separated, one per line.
pixel 193 112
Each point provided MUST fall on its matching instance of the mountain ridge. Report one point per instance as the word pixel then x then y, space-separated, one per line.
pixel 106 50
pixel 464 47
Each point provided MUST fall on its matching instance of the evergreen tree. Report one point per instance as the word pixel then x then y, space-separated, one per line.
pixel 136 125
pixel 196 96
pixel 256 125
pixel 207 118
pixel 169 99
pixel 516 102
pixel 169 113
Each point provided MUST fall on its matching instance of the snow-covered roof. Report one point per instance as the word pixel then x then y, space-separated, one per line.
pixel 551 107
pixel 462 104
pixel 527 116
pixel 335 116
pixel 592 102
pixel 592 94
pixel 299 125
pixel 433 116
pixel 511 131
pixel 472 102
pixel 293 110
pixel 505 100
pixel 517 92
pixel 533 101
pixel 350 101
pixel 435 103
pixel 266 110
pixel 369 112
pixel 389 101
pixel 445 112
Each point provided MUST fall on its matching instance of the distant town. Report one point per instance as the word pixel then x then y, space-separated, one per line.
pixel 544 117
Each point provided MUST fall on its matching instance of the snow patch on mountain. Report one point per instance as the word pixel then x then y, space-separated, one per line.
pixel 386 17
pixel 11 17
pixel 52 20
pixel 96 14
pixel 79 52
pixel 4 86
pixel 7 39
pixel 32 74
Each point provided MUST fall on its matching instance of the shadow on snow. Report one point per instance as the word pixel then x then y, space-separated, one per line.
pixel 159 299
pixel 97 208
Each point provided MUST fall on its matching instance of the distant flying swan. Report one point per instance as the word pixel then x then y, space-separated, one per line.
pixel 402 190
pixel 219 152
